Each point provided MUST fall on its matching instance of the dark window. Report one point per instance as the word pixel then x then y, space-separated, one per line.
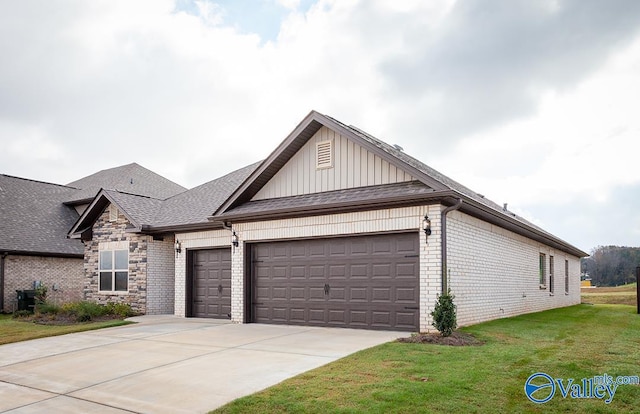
pixel 566 276
pixel 551 271
pixel 114 270
pixel 543 270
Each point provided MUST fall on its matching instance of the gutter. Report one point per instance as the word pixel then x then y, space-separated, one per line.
pixel 443 243
pixel 2 258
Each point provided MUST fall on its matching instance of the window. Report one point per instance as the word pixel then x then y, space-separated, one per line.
pixel 566 276
pixel 114 270
pixel 324 154
pixel 543 270
pixel 551 274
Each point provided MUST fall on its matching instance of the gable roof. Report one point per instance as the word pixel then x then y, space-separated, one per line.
pixel 34 218
pixel 188 210
pixel 131 178
pixel 443 189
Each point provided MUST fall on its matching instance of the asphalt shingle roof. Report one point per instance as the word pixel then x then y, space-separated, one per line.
pixel 190 207
pixel 438 176
pixel 196 205
pixel 343 197
pixel 130 178
pixel 34 218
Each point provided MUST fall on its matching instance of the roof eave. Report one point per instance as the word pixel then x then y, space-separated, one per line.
pixel 335 208
pixel 476 209
pixel 41 253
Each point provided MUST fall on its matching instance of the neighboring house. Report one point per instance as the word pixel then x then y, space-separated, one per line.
pixel 334 228
pixel 35 218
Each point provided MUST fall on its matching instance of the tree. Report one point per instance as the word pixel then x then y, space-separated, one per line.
pixel 444 314
pixel 612 265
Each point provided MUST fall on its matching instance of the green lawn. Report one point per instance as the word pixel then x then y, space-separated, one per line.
pixel 15 330
pixel 577 342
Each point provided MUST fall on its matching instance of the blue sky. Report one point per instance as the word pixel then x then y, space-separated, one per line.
pixel 261 17
pixel 530 103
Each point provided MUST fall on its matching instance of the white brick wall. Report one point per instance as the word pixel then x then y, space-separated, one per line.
pixel 398 219
pixel 160 276
pixel 494 273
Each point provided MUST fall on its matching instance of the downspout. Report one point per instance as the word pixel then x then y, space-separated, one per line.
pixel 4 255
pixel 443 242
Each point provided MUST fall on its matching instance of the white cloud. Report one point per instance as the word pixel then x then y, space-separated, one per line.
pixel 526 103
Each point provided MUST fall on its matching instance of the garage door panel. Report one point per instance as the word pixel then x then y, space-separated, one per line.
pixel 317 315
pixel 211 283
pixel 316 293
pixel 360 281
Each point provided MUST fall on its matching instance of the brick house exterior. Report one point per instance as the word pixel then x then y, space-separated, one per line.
pixel 334 228
pixel 62 276
pixel 35 218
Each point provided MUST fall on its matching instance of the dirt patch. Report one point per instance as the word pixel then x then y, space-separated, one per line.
pixel 457 338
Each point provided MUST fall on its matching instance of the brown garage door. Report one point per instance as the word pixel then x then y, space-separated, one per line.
pixel 356 282
pixel 211 283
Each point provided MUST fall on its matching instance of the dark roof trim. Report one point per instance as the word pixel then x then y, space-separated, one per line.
pixel 446 197
pixel 41 254
pixel 181 228
pixel 486 213
pixel 93 211
pixel 334 208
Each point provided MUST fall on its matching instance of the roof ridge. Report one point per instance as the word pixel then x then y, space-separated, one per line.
pixel 40 182
pixel 134 194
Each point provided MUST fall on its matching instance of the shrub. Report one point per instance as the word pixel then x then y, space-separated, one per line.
pixel 122 310
pixel 47 308
pixel 41 294
pixel 84 311
pixel 444 314
pixel 21 314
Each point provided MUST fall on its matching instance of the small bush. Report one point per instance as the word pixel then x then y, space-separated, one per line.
pixel 47 308
pixel 41 294
pixel 444 314
pixel 21 314
pixel 84 311
pixel 122 310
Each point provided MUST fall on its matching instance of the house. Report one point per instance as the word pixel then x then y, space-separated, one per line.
pixel 35 218
pixel 334 228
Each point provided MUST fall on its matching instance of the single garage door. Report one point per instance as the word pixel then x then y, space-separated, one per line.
pixel 211 283
pixel 355 282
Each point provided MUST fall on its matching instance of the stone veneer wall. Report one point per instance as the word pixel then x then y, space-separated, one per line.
pixel 494 273
pixel 105 231
pixel 63 274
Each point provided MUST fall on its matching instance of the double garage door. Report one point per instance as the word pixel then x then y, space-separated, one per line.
pixel 356 282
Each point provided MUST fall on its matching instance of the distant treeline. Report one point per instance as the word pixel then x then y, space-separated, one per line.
pixel 612 265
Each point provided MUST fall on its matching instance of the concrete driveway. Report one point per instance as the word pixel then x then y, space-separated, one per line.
pixel 165 364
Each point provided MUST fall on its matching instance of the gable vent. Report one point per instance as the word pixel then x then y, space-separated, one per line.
pixel 324 154
pixel 113 213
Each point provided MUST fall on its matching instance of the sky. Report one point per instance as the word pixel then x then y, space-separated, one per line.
pixel 531 103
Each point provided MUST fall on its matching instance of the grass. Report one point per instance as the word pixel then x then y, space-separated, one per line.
pixel 624 295
pixel 576 342
pixel 15 330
